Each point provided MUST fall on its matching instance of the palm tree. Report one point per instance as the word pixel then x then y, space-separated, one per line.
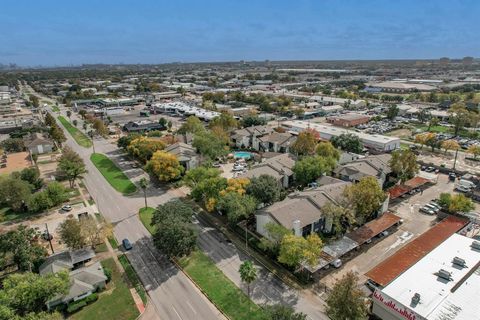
pixel 248 274
pixel 144 185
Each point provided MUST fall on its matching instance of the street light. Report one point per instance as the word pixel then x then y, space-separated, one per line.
pixel 91 134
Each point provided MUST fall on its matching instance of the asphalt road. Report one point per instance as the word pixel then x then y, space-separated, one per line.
pixel 173 295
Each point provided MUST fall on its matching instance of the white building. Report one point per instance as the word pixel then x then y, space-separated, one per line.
pixel 444 284
pixel 373 141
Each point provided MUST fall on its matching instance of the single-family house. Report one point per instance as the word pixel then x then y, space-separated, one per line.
pixel 280 167
pixel 375 166
pixel 36 143
pixel 301 211
pixel 186 154
pixel 66 260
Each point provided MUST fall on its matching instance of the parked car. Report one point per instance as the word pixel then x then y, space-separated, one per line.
pixel 67 207
pixel 126 244
pixel 436 205
pixel 337 263
pixel 427 210
pixel 452 176
pixel 462 188
pixel 430 169
pixel 432 207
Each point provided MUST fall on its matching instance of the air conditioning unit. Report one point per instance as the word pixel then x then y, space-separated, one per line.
pixel 459 262
pixel 416 299
pixel 444 274
pixel 476 245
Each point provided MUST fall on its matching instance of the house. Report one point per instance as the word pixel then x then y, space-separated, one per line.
pixel 186 154
pixel 83 282
pixel 141 126
pixel 375 166
pixel 248 137
pixel 66 260
pixel 276 142
pixel 301 211
pixel 36 143
pixel 279 166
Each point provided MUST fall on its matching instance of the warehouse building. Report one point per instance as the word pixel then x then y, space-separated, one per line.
pixel 348 120
pixel 372 141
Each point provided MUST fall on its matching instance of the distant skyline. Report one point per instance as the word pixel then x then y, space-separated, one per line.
pixel 62 33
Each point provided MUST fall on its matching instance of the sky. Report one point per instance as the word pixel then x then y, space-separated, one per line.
pixel 58 32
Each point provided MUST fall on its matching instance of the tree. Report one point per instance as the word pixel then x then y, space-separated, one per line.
pixel 14 192
pixel 70 231
pixel 327 150
pixel 348 142
pixel 265 188
pixel 21 247
pixel 392 111
pixel 366 196
pixel 208 190
pixel 143 148
pixel 309 169
pixel 252 120
pixel 194 176
pixel 94 233
pixel 124 142
pixel 69 114
pixel 346 300
pixel 99 127
pixel 82 113
pixel 275 233
pixel 50 120
pixel 236 206
pixel 225 120
pixel 404 164
pixel 424 115
pixel 305 143
pixel 56 192
pixel 24 295
pixel 30 175
pixel 427 139
pixel 39 201
pixel 13 145
pixel 456 203
pixel 174 234
pixel 192 125
pixel 296 250
pixel 459 116
pixel 474 150
pixel 450 145
pixel 340 217
pixel 143 183
pixel 75 122
pixel 71 165
pixel 248 273
pixel 210 145
pixel 283 312
pixel 163 122
pixel 57 134
pixel 165 166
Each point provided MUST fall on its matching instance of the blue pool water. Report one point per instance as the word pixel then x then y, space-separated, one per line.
pixel 242 154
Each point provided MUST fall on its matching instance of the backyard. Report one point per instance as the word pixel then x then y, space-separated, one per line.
pixel 79 136
pixel 219 289
pixel 115 302
pixel 113 174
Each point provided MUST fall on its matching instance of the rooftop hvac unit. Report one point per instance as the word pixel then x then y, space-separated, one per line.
pixel 476 245
pixel 459 262
pixel 444 274
pixel 416 299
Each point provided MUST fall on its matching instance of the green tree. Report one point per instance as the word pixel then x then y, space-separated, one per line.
pixel 296 250
pixel 14 192
pixel 456 203
pixel 13 145
pixel 253 120
pixel 339 216
pixel 459 116
pixel 174 234
pixel 392 112
pixel 82 113
pixel 71 166
pixel 210 145
pixel 70 232
pixel 143 183
pixel 56 192
pixel 283 312
pixel 124 142
pixel 50 120
pixel 69 114
pixel 366 197
pixel 21 247
pixel 309 169
pixel 474 150
pixel 39 201
pixel 348 142
pixel 275 233
pixel 404 164
pixel 27 293
pixel 305 143
pixel 100 128
pixel 347 300
pixel 265 188
pixel 192 125
pixel 236 206
pixel 57 134
pixel 327 150
pixel 30 175
pixel 225 121
pixel 208 188
pixel 163 122
pixel 248 273
pixel 196 175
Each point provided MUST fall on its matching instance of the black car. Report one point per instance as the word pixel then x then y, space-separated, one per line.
pixel 126 244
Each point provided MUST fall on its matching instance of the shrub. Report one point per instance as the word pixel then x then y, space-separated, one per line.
pixel 92 298
pixel 75 306
pixel 108 273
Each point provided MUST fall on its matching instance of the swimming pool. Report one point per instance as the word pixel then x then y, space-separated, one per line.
pixel 242 154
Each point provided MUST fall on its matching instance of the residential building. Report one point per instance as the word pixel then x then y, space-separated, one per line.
pixel 348 120
pixel 279 166
pixel 36 143
pixel 371 166
pixel 373 141
pixel 276 142
pixel 141 126
pixel 249 137
pixel 186 154
pixel 66 260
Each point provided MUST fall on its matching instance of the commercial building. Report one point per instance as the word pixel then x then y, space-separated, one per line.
pixel 348 120
pixel 373 141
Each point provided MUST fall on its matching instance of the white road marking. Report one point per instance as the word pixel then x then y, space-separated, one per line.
pixel 176 312
pixel 191 307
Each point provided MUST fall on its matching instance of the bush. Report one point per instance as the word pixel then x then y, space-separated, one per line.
pixel 108 273
pixel 92 298
pixel 75 306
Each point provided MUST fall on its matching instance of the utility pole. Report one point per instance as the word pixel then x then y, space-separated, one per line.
pixel 49 239
pixel 455 161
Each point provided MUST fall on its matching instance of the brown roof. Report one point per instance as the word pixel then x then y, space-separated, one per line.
pixel 392 267
pixel 416 182
pixel 397 191
pixel 373 228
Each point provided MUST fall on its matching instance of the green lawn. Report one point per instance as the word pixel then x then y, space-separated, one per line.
pixel 146 215
pixel 117 304
pixel 101 248
pixel 79 136
pixel 223 292
pixel 113 174
pixel 436 129
pixel 113 242
pixel 133 277
pixel 55 108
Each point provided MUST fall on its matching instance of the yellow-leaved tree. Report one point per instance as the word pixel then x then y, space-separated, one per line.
pixel 165 166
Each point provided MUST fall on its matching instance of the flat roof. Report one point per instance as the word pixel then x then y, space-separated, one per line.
pixel 440 298
pixel 392 267
pixel 373 228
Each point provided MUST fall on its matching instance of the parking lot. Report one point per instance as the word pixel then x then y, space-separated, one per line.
pixel 134 115
pixel 414 224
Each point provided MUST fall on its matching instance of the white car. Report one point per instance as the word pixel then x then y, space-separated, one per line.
pixel 67 207
pixel 461 188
